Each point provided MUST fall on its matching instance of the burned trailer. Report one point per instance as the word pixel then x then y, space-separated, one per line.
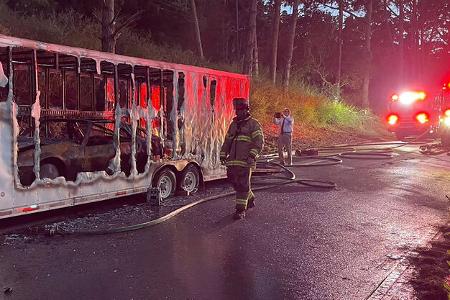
pixel 80 126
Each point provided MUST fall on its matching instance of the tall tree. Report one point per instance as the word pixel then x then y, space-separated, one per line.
pixel 401 29
pixel 341 42
pixel 368 50
pixel 108 26
pixel 113 24
pixel 290 46
pixel 275 32
pixel 197 29
pixel 256 56
pixel 238 42
pixel 249 53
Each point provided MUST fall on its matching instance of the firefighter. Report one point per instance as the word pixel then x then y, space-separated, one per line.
pixel 242 146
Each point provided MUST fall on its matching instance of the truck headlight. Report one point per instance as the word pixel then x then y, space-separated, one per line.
pixel 447 121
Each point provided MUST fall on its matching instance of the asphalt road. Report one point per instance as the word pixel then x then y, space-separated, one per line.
pixel 298 243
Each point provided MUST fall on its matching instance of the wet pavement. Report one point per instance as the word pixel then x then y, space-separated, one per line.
pixel 298 243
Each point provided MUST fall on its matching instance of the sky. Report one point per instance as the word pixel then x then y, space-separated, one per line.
pixel 333 12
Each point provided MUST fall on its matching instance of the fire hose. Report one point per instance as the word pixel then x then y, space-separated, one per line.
pixel 326 156
pixel 289 178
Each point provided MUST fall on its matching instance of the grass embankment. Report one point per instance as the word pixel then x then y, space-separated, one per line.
pixel 319 120
pixel 431 279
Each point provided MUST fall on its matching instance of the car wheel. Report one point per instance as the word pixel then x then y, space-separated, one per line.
pixel 190 179
pixel 49 171
pixel 166 182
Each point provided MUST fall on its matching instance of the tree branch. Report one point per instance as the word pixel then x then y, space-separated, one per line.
pixel 127 22
pixel 345 10
pixel 391 10
pixel 116 16
pixel 96 17
pixel 442 35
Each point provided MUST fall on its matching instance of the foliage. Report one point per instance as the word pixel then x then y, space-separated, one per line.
pixel 69 28
pixel 422 33
pixel 162 34
pixel 309 107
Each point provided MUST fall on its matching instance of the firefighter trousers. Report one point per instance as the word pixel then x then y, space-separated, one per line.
pixel 239 177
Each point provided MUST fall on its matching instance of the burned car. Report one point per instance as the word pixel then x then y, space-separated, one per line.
pixel 71 146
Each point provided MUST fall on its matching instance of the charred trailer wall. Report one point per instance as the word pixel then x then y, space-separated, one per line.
pixel 107 128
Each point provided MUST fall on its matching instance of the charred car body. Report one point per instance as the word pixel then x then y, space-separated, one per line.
pixel 70 146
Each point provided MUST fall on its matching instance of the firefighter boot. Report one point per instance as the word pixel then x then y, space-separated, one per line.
pixel 239 214
pixel 251 203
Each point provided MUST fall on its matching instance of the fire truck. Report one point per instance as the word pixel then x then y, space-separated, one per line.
pixel 444 116
pixel 415 113
pixel 412 112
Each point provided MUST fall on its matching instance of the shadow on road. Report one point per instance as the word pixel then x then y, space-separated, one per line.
pixel 298 189
pixel 221 223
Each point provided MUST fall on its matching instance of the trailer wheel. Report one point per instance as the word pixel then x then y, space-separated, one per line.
pixel 190 179
pixel 166 182
pixel 49 170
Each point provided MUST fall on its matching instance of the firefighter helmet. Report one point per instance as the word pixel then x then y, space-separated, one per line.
pixel 240 103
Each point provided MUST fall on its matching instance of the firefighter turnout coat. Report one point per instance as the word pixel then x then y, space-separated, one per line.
pixel 244 140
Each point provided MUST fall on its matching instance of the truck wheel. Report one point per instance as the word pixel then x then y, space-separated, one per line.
pixel 49 171
pixel 400 135
pixel 445 140
pixel 166 182
pixel 190 179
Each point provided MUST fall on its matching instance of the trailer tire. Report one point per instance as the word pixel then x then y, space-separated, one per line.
pixel 49 170
pixel 166 181
pixel 190 179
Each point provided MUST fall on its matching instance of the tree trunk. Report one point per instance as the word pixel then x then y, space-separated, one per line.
pixel 256 57
pixel 401 43
pixel 238 45
pixel 418 70
pixel 224 39
pixel 367 71
pixel 248 60
pixel 340 41
pixel 275 33
pixel 197 29
pixel 290 45
pixel 108 26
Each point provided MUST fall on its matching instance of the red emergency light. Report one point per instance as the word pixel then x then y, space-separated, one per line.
pixel 392 119
pixel 422 118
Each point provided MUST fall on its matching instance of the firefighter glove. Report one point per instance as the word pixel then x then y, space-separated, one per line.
pixel 251 160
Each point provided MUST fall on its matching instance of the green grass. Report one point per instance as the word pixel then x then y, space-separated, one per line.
pixel 309 106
